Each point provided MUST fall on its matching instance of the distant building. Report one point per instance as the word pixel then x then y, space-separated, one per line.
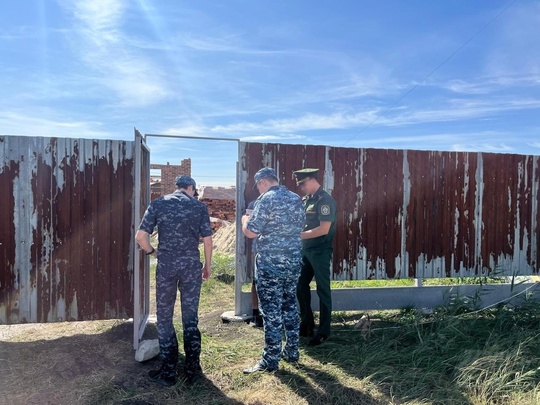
pixel 221 203
pixel 217 193
pixel 165 183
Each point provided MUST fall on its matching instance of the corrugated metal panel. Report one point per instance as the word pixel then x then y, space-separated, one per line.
pixel 419 213
pixel 67 229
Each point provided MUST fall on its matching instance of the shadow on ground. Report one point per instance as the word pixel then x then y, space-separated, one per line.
pixel 90 367
pixel 318 387
pixel 348 350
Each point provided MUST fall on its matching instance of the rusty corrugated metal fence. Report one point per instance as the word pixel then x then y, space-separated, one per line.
pixel 66 223
pixel 418 214
pixel 66 229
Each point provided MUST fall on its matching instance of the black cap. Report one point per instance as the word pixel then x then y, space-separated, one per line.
pixel 186 181
pixel 264 173
pixel 305 174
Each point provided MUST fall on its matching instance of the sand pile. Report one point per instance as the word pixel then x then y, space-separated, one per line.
pixel 225 239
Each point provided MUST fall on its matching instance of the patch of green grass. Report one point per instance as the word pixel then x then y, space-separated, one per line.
pixel 477 358
pixel 410 282
pixel 372 283
pixel 451 355
pixel 217 294
pixel 223 264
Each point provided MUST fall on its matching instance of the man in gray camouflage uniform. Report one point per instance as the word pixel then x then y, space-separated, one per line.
pixel 276 222
pixel 181 221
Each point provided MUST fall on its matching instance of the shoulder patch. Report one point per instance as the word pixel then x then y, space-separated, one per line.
pixel 325 209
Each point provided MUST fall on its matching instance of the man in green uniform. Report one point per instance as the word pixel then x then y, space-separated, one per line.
pixel 317 248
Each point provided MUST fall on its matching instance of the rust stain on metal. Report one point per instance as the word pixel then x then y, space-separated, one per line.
pixel 406 213
pixel 67 229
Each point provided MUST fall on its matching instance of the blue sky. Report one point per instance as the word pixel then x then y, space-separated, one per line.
pixel 303 72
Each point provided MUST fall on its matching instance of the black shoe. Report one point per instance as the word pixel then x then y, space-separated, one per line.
pixel 257 368
pixel 291 361
pixel 192 377
pixel 317 340
pixel 306 331
pixel 156 376
pixel 256 321
pixel 193 368
pixel 192 373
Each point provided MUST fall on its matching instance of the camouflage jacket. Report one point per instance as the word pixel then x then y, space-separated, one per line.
pixel 181 220
pixel 278 219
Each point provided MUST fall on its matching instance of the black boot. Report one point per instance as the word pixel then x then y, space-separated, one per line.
pixel 256 319
pixel 306 330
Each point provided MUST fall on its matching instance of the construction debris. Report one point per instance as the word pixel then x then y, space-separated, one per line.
pixel 364 324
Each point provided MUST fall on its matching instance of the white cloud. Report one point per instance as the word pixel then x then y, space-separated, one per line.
pixel 162 146
pixel 459 109
pixel 534 144
pixel 453 110
pixel 190 129
pixel 273 138
pixel 480 141
pixel 98 15
pixel 227 43
pixel 483 147
pixel 486 85
pixel 35 124
pixel 305 122
pixel 100 43
pixel 22 32
pixel 515 47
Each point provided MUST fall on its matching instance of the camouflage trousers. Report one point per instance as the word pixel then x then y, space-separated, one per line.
pixel 276 290
pixel 184 275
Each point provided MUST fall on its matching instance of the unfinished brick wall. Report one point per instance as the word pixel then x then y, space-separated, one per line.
pixel 170 172
pixel 221 209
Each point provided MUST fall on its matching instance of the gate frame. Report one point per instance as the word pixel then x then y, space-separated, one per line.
pixel 140 321
pixel 346 299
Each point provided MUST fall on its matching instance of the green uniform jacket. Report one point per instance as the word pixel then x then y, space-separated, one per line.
pixel 319 207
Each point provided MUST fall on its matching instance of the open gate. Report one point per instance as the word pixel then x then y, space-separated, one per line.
pixel 66 233
pixel 141 268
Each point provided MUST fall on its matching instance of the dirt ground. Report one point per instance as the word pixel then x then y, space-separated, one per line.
pixel 63 363
pixel 78 362
pixel 85 362
pixel 53 363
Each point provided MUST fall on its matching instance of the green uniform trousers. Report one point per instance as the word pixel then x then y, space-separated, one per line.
pixel 316 263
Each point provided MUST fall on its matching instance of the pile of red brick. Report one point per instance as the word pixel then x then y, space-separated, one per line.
pixel 224 210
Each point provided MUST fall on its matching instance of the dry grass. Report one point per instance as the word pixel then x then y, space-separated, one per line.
pixel 445 358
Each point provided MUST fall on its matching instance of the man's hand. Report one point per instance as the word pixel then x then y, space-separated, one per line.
pixel 206 272
pixel 143 239
pixel 247 232
pixel 207 266
pixel 321 230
